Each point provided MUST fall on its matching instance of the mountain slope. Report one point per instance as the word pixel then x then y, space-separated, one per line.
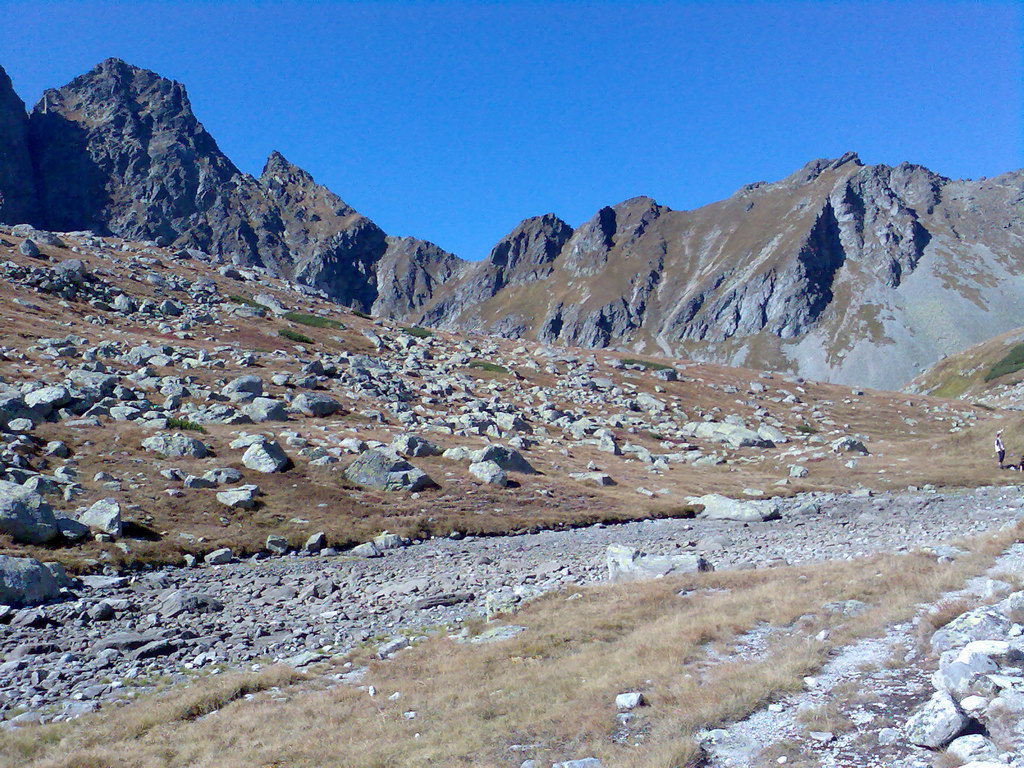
pixel 118 150
pixel 846 272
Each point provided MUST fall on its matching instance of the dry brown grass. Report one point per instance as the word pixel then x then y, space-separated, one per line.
pixel 553 685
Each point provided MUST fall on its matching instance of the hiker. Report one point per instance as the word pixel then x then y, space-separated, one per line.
pixel 1000 449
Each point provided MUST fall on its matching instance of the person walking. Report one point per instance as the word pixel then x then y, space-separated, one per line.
pixel 1000 448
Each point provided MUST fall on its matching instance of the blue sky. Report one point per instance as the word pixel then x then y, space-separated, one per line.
pixel 454 121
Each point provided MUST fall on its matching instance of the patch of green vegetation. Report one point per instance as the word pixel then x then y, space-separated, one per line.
pixel 487 365
pixel 313 321
pixel 417 332
pixel 363 315
pixel 954 386
pixel 236 299
pixel 175 423
pixel 648 364
pixel 288 333
pixel 1011 363
pixel 806 429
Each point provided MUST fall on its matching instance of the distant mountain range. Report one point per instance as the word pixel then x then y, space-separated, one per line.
pixel 842 271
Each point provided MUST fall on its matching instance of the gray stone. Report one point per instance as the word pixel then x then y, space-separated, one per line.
pixel 508 459
pixel 266 457
pixel 242 497
pixel 627 564
pixel 25 581
pixel 385 471
pixel 718 507
pixel 179 602
pixel 316 404
pixel 104 515
pixel 25 516
pixel 176 446
pixel 263 409
pixel 937 722
pixel 218 557
pixel 489 472
pixel 413 446
pixel 277 544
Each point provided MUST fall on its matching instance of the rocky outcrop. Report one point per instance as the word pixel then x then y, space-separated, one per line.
pixel 18 196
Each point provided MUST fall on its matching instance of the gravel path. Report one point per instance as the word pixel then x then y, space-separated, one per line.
pixel 65 659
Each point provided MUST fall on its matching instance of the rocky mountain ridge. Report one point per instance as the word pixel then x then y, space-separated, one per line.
pixel 842 271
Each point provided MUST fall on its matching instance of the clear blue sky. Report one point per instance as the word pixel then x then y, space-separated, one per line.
pixel 454 121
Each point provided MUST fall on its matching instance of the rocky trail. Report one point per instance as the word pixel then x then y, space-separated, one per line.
pixel 859 703
pixel 117 636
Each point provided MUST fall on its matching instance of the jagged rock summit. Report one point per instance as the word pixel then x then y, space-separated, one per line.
pixel 119 150
pixel 854 273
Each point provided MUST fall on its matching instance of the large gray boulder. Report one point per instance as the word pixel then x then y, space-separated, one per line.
pixel 316 404
pixel 385 471
pixel 489 472
pixel 176 446
pixel 14 407
pixel 104 515
pixel 178 602
pixel 982 623
pixel 508 459
pixel 244 385
pixel 936 723
pixel 25 516
pixel 630 564
pixel 46 400
pixel 718 507
pixel 413 446
pixel 265 409
pixel 266 457
pixel 24 581
pixel 242 497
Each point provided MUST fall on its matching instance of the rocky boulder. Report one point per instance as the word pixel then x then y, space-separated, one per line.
pixel 266 457
pixel 937 723
pixel 718 507
pixel 104 515
pixel 385 471
pixel 176 446
pixel 508 459
pixel 25 516
pixel 24 581
pixel 316 404
pixel 630 564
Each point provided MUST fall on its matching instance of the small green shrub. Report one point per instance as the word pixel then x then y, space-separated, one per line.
pixel 806 429
pixel 487 365
pixel 313 321
pixel 288 333
pixel 363 315
pixel 419 333
pixel 175 423
pixel 236 299
pixel 648 364
pixel 1011 363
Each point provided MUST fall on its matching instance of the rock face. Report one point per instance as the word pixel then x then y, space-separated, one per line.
pixel 18 195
